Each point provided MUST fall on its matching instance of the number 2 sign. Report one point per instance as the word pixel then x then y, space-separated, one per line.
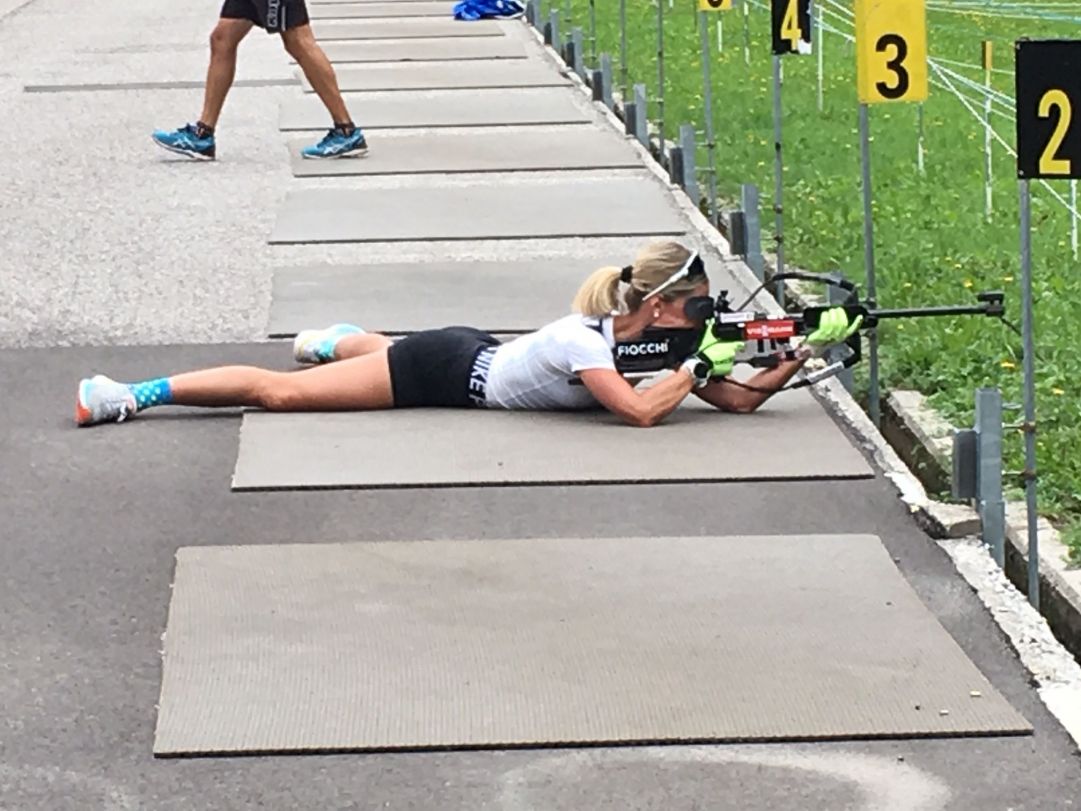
pixel 1048 84
pixel 891 50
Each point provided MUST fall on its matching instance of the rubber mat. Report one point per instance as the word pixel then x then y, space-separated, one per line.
pixel 507 208
pixel 351 11
pixel 449 49
pixel 442 108
pixel 500 297
pixel 792 438
pixel 446 644
pixel 444 76
pixel 533 149
pixel 330 30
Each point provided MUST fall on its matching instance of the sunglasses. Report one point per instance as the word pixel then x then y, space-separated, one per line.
pixel 693 268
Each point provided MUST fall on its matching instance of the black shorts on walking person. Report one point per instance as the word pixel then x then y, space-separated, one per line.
pixel 445 368
pixel 275 16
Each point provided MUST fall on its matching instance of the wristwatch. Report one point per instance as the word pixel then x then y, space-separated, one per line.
pixel 699 370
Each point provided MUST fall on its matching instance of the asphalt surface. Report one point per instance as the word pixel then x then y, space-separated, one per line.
pixel 115 260
pixel 92 520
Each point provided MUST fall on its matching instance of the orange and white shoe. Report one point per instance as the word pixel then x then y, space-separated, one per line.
pixel 102 399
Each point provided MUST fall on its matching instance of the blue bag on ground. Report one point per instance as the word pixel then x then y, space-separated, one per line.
pixel 482 9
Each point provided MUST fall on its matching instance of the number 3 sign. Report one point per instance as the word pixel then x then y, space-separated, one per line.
pixel 1048 77
pixel 891 50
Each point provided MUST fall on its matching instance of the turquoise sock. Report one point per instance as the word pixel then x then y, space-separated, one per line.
pixel 151 393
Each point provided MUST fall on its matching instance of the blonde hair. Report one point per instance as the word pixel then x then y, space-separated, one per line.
pixel 600 295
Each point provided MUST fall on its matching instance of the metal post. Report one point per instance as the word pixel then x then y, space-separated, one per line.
pixel 707 97
pixel 988 166
pixel 835 295
pixel 1029 365
pixel 778 176
pixel 641 120
pixel 920 164
pixel 989 501
pixel 531 13
pixel 625 87
pixel 660 78
pixel 553 22
pixel 1073 217
pixel 578 59
pixel 690 174
pixel 820 56
pixel 748 196
pixel 606 80
pixel 592 32
pixel 874 408
pixel 746 31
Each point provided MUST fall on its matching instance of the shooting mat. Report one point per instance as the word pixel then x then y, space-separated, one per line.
pixel 427 644
pixel 408 28
pixel 444 76
pixel 507 209
pixel 441 108
pixel 790 438
pixel 423 50
pixel 353 11
pixel 500 297
pixel 533 149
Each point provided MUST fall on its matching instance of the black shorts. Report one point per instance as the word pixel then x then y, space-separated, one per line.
pixel 275 16
pixel 445 368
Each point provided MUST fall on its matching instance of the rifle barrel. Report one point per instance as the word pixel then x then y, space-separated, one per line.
pixel 919 312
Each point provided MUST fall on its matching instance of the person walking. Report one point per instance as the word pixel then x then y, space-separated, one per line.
pixel 289 19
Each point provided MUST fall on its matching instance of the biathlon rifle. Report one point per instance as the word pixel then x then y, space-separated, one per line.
pixel 768 337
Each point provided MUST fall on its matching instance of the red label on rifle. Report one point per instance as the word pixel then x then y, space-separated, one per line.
pixel 769 330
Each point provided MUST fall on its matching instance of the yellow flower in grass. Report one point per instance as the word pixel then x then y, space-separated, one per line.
pixel 1008 364
pixel 967 283
pixel 1007 278
pixel 1057 391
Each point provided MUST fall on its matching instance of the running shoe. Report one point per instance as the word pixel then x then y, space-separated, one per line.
pixel 101 399
pixel 336 144
pixel 186 141
pixel 317 345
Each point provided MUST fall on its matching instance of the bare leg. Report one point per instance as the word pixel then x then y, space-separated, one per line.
pixel 301 45
pixel 224 41
pixel 364 343
pixel 355 384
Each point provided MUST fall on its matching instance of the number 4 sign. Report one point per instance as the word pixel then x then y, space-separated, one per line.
pixel 891 50
pixel 1048 84
pixel 791 26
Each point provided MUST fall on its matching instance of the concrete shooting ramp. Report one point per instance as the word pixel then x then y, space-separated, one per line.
pixel 445 75
pixel 441 108
pixel 468 447
pixel 399 298
pixel 351 11
pixel 509 209
pixel 437 644
pixel 450 49
pixel 422 27
pixel 526 150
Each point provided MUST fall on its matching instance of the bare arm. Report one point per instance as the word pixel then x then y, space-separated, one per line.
pixel 643 408
pixel 728 396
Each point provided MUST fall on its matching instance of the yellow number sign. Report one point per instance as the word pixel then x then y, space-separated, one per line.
pixel 891 50
pixel 714 5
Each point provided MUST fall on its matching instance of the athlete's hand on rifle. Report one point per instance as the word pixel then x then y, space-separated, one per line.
pixel 833 328
pixel 713 358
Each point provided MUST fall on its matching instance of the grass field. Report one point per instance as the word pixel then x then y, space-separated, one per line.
pixel 933 242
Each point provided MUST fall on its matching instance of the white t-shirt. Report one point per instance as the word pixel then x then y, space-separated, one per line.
pixel 535 371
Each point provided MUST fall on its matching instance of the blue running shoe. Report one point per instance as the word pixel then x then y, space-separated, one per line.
pixel 317 345
pixel 337 144
pixel 186 141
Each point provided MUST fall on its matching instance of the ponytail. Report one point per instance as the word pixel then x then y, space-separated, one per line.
pixel 599 294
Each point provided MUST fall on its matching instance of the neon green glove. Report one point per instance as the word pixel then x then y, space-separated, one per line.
pixel 713 358
pixel 833 328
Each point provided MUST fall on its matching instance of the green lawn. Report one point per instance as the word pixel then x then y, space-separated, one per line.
pixel 933 243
